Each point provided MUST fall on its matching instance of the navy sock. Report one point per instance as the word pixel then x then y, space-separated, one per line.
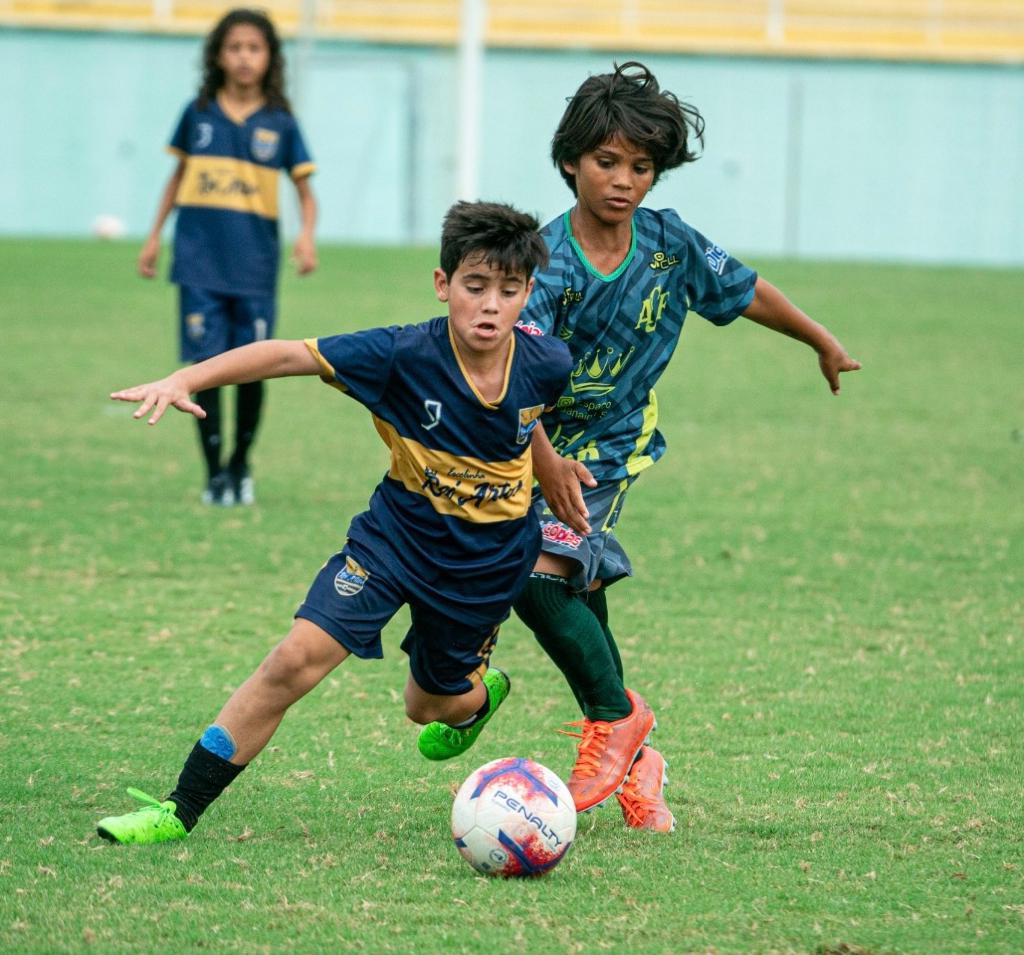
pixel 247 418
pixel 203 778
pixel 209 429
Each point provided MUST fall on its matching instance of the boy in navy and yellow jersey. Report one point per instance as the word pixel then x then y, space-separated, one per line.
pixel 232 143
pixel 617 289
pixel 449 529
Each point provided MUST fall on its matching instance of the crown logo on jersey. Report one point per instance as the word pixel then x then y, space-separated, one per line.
pixel 595 376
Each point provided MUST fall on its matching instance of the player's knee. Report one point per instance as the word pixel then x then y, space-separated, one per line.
pixel 287 666
pixel 542 599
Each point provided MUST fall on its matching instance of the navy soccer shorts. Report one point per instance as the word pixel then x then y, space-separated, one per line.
pixel 211 322
pixel 353 598
pixel 599 555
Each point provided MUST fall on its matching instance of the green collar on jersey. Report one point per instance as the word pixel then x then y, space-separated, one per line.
pixel 612 276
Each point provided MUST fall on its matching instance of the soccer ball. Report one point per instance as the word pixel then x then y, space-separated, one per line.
pixel 513 817
pixel 107 226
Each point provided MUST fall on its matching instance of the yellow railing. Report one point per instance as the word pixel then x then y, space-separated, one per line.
pixel 983 30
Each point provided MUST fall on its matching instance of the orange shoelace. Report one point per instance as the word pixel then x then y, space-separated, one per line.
pixel 636 806
pixel 593 742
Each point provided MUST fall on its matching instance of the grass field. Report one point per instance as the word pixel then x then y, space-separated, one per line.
pixel 827 617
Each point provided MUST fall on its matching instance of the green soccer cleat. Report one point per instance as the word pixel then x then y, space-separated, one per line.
pixel 155 822
pixel 441 741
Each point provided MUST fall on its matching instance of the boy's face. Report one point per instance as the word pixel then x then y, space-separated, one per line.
pixel 483 304
pixel 612 180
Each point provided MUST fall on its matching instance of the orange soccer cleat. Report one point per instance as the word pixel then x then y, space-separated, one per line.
pixel 641 799
pixel 606 752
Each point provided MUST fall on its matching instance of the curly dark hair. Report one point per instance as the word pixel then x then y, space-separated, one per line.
pixel 504 237
pixel 628 103
pixel 213 75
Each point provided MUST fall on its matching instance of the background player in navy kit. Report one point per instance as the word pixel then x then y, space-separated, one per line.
pixel 617 289
pixel 449 529
pixel 231 143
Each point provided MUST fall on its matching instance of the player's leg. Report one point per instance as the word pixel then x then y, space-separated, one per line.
pixel 451 689
pixel 343 613
pixel 242 728
pixel 253 320
pixel 571 634
pixel 204 332
pixel 560 609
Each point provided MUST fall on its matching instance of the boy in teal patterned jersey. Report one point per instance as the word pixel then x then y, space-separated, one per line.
pixel 617 289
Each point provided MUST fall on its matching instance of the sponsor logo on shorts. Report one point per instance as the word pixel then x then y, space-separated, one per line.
pixel 195 325
pixel 560 534
pixel 349 581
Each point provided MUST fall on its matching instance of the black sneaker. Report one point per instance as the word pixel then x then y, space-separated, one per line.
pixel 220 491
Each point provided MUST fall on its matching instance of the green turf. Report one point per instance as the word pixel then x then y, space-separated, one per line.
pixel 826 616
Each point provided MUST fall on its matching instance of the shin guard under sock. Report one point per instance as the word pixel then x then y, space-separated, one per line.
pixel 571 635
pixel 598 604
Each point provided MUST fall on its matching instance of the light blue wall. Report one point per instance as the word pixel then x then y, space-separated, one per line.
pixel 915 162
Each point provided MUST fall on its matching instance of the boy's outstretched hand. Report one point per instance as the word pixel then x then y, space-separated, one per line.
pixel 158 396
pixel 833 362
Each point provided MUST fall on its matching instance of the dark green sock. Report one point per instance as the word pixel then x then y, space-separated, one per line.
pixel 572 636
pixel 598 604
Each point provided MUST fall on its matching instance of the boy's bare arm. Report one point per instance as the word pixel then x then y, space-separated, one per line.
pixel 559 480
pixel 773 310
pixel 255 362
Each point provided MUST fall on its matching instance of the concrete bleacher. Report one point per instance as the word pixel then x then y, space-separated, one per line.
pixel 969 30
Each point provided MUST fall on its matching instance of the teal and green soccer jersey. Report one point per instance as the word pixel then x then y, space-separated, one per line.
pixel 622 329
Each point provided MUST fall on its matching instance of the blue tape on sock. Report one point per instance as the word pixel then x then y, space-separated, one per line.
pixel 218 741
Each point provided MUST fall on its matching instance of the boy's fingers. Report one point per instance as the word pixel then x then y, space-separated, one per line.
pixel 161 407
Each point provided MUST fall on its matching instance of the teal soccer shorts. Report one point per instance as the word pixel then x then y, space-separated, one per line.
pixel 599 554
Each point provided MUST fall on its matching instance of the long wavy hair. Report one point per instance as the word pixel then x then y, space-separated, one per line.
pixel 213 75
pixel 628 103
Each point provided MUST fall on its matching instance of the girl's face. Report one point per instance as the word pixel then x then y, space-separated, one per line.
pixel 244 56
pixel 612 180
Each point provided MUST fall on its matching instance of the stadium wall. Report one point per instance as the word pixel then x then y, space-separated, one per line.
pixel 811 158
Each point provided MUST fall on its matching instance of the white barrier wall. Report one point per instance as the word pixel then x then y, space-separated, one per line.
pixel 822 159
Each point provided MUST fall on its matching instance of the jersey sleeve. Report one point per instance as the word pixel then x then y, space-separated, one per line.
pixel 541 311
pixel 718 287
pixel 358 363
pixel 297 159
pixel 560 364
pixel 181 139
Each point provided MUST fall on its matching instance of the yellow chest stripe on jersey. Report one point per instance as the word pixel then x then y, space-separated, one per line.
pixel 483 492
pixel 220 182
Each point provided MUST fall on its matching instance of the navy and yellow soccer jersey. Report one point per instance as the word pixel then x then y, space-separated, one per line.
pixel 451 518
pixel 226 236
pixel 622 330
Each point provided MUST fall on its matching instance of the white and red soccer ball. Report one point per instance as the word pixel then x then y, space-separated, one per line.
pixel 513 817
